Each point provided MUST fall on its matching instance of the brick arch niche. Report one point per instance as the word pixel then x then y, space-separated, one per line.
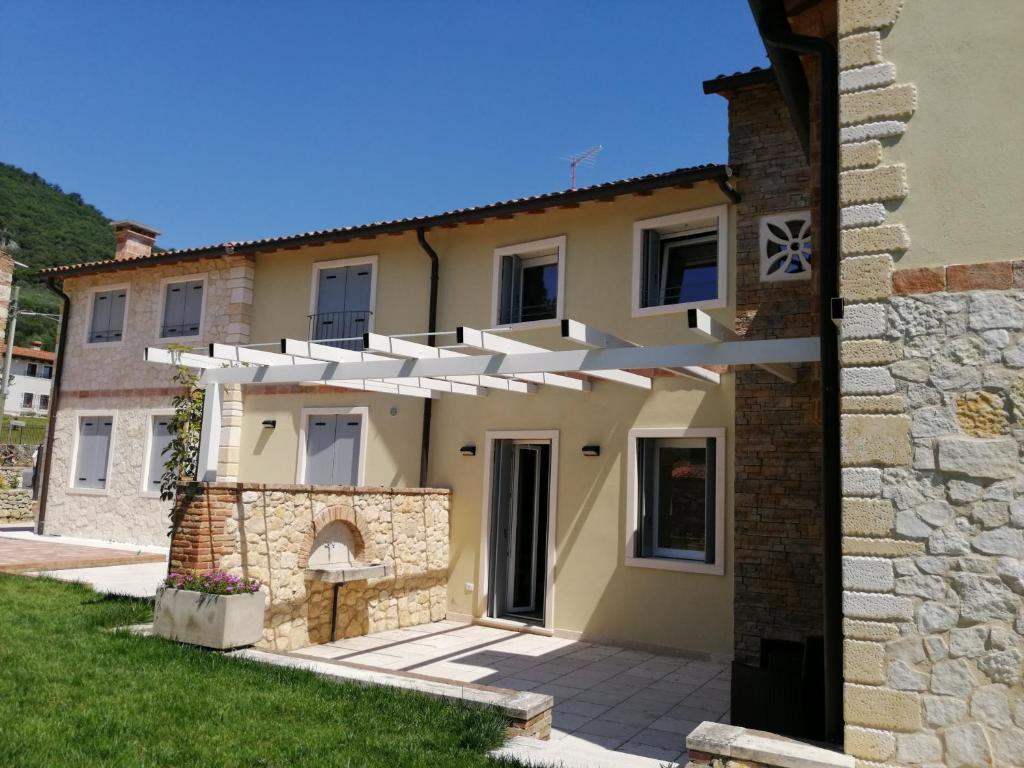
pixel 337 524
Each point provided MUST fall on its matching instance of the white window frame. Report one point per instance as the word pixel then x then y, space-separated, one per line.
pixel 151 414
pixel 91 298
pixel 163 306
pixel 353 261
pixel 525 250
pixel 76 435
pixel 716 568
pixel 45 407
pixel 549 436
pixel 716 216
pixel 354 410
pixel 31 400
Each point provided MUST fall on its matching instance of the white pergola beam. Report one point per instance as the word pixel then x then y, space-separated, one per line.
pixel 592 337
pixel 173 357
pixel 704 324
pixel 488 342
pixel 747 352
pixel 405 348
pixel 313 352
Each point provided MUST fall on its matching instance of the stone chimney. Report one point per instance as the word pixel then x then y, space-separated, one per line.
pixel 37 345
pixel 134 240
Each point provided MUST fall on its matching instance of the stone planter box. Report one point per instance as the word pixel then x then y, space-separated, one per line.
pixel 212 621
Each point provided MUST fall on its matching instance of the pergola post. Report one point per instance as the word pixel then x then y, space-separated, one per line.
pixel 209 437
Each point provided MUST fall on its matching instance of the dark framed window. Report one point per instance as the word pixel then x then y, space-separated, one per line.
pixel 44 402
pixel 529 281
pixel 26 400
pixel 31 369
pixel 679 268
pixel 676 498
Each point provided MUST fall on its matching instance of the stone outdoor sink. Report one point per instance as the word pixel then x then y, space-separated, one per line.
pixel 341 573
pixel 332 558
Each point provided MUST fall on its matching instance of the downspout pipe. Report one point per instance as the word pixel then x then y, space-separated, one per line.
pixel 421 238
pixel 829 311
pixel 43 480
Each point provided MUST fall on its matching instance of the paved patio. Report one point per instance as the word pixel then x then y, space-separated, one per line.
pixel 610 702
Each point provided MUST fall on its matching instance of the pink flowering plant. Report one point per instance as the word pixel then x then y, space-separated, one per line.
pixel 212 583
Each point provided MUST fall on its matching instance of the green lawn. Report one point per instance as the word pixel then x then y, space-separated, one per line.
pixel 72 694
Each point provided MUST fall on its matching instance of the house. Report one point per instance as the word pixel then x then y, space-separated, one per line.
pixel 31 378
pixel 861 558
pixel 567 494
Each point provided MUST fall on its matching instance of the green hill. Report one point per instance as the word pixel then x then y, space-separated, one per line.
pixel 41 225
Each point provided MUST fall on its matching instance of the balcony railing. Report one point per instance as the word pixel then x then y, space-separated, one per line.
pixel 340 329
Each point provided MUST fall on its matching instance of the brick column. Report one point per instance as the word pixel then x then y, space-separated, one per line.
pixel 200 537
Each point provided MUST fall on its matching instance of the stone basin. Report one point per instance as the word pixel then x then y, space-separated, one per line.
pixel 343 572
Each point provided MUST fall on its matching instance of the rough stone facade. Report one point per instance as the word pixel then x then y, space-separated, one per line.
pixel 778 552
pixel 266 532
pixel 113 379
pixel 932 396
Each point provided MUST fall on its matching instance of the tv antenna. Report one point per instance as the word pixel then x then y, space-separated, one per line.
pixel 586 158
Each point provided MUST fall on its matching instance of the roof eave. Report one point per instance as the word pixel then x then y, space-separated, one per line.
pixel 715 173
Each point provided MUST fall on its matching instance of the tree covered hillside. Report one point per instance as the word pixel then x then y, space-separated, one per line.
pixel 41 225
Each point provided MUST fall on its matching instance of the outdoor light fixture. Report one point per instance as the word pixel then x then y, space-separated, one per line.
pixel 270 423
pixel 468 450
pixel 591 450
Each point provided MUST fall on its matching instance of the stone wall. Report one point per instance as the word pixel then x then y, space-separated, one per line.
pixel 933 420
pixel 16 505
pixel 266 532
pixel 778 544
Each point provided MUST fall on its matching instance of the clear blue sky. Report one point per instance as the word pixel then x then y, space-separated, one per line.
pixel 232 120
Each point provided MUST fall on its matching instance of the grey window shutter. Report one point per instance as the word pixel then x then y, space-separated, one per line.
pixel 346 451
pixel 647 472
pixel 193 308
pixel 320 432
pixel 100 316
pixel 160 439
pixel 506 287
pixel 710 486
pixel 117 307
pixel 104 428
pixel 83 468
pixel 651 283
pixel 174 309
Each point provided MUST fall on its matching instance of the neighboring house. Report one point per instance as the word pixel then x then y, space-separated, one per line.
pixel 31 380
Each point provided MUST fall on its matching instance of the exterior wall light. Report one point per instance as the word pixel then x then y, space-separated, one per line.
pixel 591 450
pixel 270 423
pixel 468 450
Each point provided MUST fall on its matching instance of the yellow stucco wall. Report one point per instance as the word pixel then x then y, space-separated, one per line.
pixel 595 592
pixel 963 145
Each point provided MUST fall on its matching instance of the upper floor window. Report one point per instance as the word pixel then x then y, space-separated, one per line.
pixel 106 324
pixel 183 309
pixel 47 372
pixel 343 296
pixel 679 261
pixel 31 369
pixel 529 281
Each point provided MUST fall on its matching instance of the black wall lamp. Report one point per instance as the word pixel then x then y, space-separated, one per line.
pixel 591 450
pixel 468 450
pixel 270 423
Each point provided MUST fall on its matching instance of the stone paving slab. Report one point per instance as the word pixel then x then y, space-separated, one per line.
pixel 612 705
pixel 20 555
